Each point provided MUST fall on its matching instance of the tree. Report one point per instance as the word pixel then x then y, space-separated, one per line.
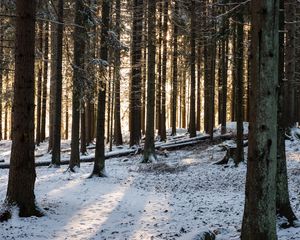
pixel 283 204
pixel 39 85
pixel 135 87
pixel 239 86
pixel 20 190
pixel 192 125
pixel 1 72
pixel 149 150
pixel 290 62
pixel 174 74
pixel 164 73
pixel 224 63
pixel 259 221
pixel 99 163
pixel 58 87
pixel 45 82
pixel 78 78
pixel 117 112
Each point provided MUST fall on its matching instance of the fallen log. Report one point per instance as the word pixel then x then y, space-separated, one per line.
pixel 85 159
pixel 133 151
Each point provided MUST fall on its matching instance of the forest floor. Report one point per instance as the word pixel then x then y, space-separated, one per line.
pixel 178 197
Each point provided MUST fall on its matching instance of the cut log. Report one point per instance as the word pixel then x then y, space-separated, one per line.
pixel 230 153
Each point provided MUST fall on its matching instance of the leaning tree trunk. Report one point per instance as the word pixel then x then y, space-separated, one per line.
pixel 149 150
pixel 20 190
pixel 283 204
pixel 259 221
pixel 99 163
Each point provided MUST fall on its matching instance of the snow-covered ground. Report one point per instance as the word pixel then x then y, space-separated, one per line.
pixel 176 198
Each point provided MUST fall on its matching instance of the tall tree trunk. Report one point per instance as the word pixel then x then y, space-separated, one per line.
pixel 144 69
pixel 117 112
pixel 78 76
pixel 52 83
pixel 199 62
pixel 45 83
pixel 82 129
pixel 290 9
pixel 234 72
pixel 174 74
pixel 108 99
pixel 192 125
pixel 20 190
pixel 39 86
pixel 163 133
pixel 212 88
pixel 283 204
pixel 259 221
pixel 135 88
pixel 159 68
pixel 224 64
pixel 240 87
pixel 1 70
pixel 58 87
pixel 149 150
pixel 99 163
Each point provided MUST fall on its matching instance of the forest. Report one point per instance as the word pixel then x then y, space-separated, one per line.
pixel 149 119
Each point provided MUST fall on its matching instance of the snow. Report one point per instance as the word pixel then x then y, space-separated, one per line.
pixel 177 197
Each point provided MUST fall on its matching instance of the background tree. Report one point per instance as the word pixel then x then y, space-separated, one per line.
pixel 283 204
pixel 80 37
pixel 99 163
pixel 58 86
pixel 149 150
pixel 135 87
